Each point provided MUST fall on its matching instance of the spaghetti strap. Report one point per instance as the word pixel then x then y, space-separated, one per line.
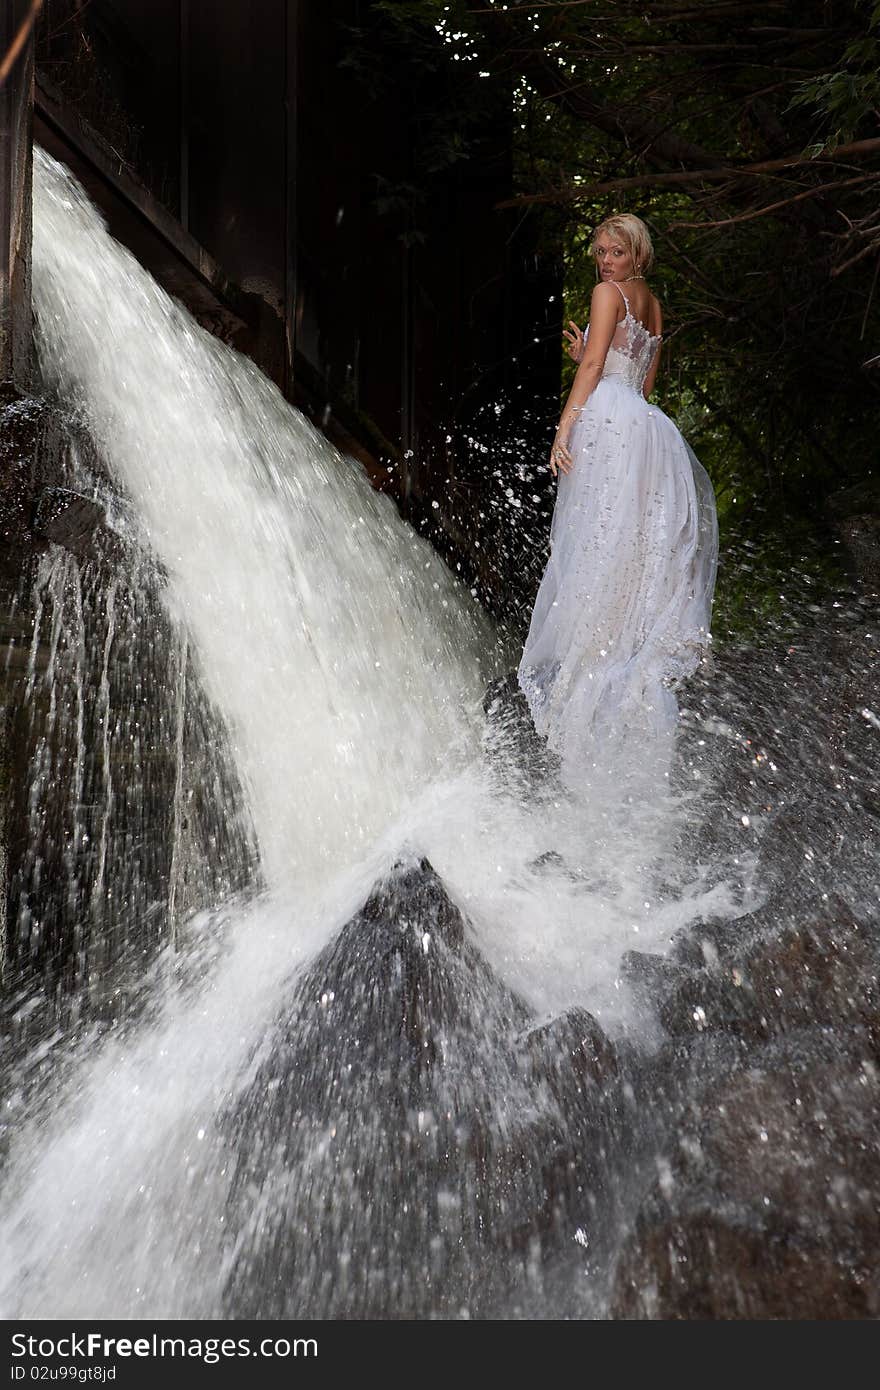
pixel 625 300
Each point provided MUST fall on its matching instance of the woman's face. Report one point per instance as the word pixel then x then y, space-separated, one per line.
pixel 613 258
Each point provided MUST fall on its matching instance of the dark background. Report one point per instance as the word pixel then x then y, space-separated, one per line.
pixel 381 287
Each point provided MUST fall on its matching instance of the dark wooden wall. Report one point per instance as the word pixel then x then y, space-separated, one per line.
pixel 15 205
pixel 247 124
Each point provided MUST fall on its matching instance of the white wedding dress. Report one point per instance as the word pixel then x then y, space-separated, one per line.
pixel 623 612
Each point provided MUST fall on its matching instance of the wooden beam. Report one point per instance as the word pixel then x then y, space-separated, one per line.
pixel 16 134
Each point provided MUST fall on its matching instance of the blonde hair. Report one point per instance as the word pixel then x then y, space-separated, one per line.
pixel 633 233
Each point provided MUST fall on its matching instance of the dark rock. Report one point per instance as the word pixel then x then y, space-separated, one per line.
pixel 517 753
pixel 406 1140
pixel 552 862
pixel 823 972
pixel 706 1267
pixel 805 1139
pixel 854 513
pixel 67 518
pixel 767 1205
pixel 549 860
pixel 21 423
pixel 711 941
pixel 651 977
pixel 572 1054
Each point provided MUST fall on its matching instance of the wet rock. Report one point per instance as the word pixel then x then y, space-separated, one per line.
pixel 788 730
pixel 572 1055
pixel 21 422
pixel 652 978
pixel 571 1059
pixel 67 518
pixel 550 860
pixel 37 504
pixel 801 843
pixel 823 972
pixel 710 941
pixel 706 1267
pixel 515 750
pixel 804 1139
pixel 854 513
pixel 407 1141
pixel 767 1205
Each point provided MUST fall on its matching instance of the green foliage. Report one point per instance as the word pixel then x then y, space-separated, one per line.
pixel 454 118
pixel 845 97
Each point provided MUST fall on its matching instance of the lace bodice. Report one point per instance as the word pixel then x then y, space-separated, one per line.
pixel 632 349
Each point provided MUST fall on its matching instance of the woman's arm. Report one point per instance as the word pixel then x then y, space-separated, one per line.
pixel 603 321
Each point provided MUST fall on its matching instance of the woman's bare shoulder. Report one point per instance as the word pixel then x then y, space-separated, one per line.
pixel 603 290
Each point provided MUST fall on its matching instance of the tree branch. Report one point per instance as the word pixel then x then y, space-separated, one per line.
pixel 783 202
pixel 707 175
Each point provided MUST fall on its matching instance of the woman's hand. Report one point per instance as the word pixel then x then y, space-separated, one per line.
pixel 575 340
pixel 560 457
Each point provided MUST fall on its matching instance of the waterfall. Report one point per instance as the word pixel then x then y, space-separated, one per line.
pixel 338 667
pixel 346 660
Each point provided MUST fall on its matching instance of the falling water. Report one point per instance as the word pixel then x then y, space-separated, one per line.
pixel 346 661
pixel 310 673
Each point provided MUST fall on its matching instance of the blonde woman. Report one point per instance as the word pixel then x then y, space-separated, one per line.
pixel 623 611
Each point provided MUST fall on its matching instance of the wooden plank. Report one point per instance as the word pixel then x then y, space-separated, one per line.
pixel 16 117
